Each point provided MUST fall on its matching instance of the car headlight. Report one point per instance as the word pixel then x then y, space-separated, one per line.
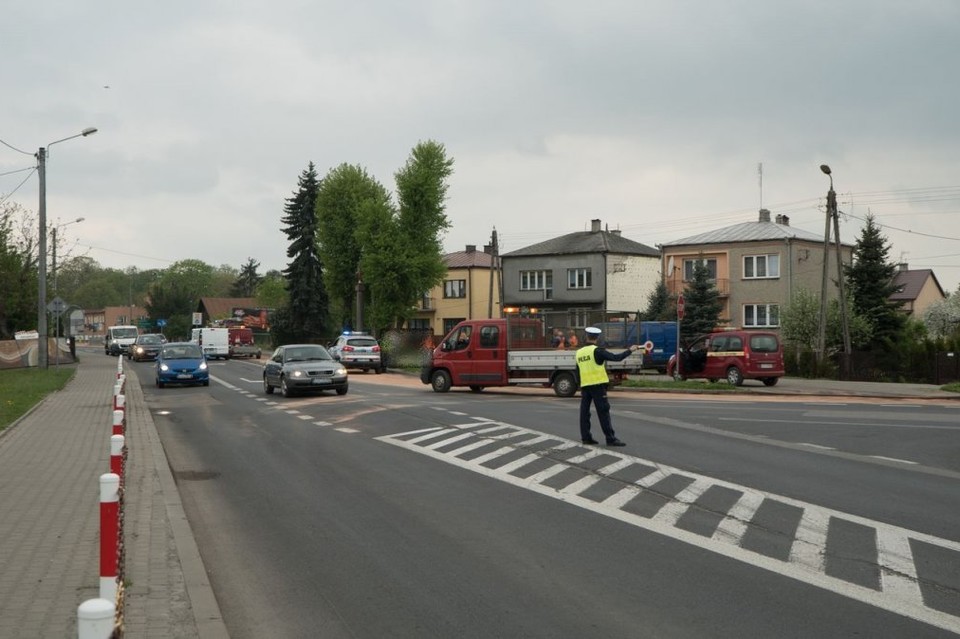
pixel 164 367
pixel 139 349
pixel 203 366
pixel 340 371
pixel 296 373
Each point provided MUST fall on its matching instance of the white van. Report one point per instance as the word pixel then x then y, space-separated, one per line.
pixel 215 342
pixel 119 339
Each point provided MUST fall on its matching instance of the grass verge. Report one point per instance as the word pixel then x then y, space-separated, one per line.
pixel 22 388
pixel 953 388
pixel 689 385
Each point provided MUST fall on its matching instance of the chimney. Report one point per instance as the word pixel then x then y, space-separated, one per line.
pixel 471 248
pixel 903 266
pixel 488 249
pixel 594 226
pixel 615 232
pixel 764 215
pixel 784 220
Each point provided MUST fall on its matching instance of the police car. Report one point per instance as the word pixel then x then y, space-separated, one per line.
pixel 357 350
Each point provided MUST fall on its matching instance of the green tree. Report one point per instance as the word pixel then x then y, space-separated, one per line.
pixel 344 193
pixel 272 291
pixel 247 281
pixel 415 247
pixel 305 316
pixel 658 305
pixel 18 280
pixel 175 302
pixel 193 277
pixel 871 282
pixel 702 304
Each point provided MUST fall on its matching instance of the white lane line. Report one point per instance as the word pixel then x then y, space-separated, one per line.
pixel 322 424
pixel 898 574
pixel 347 430
pixel 450 440
pixel 672 511
pixel 818 446
pixel 305 417
pixel 893 459
pixel 291 411
pixel 734 525
pixel 810 541
pixel 434 433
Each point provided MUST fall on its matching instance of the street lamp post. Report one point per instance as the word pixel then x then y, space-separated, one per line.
pixel 844 321
pixel 42 262
pixel 58 312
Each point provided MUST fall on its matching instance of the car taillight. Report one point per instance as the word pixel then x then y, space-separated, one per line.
pixel 348 348
pixel 376 349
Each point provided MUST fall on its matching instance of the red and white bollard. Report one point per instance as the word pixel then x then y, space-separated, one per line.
pixel 109 535
pixel 120 367
pixel 120 406
pixel 95 619
pixel 116 456
pixel 118 422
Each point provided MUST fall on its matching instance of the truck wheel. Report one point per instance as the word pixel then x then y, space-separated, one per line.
pixel 734 376
pixel 440 380
pixel 565 385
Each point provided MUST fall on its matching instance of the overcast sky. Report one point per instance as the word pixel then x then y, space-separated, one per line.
pixel 650 116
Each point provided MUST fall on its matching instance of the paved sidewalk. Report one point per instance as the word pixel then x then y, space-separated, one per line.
pixel 50 464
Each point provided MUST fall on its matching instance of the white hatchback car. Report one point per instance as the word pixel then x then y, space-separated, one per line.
pixel 358 350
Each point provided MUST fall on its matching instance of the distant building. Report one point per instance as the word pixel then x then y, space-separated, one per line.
pixel 465 292
pixel 916 290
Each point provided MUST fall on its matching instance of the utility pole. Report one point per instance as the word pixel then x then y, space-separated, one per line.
pixel 494 271
pixel 844 321
pixel 42 357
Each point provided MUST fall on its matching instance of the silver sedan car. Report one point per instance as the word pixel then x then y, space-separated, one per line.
pixel 303 368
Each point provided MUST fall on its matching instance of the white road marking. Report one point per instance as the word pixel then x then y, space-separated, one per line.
pixel 893 459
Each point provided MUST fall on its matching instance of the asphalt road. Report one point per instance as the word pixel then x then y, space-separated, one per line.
pixel 395 511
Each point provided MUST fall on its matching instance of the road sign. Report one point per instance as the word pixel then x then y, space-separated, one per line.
pixel 198 319
pixel 680 305
pixel 161 323
pixel 57 305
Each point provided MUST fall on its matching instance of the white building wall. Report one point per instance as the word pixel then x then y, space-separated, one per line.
pixel 631 280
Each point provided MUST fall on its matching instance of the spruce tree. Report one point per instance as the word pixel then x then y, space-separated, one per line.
pixel 871 282
pixel 702 304
pixel 305 316
pixel 658 305
pixel 248 280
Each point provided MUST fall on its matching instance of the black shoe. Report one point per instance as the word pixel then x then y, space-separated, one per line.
pixel 589 442
pixel 615 442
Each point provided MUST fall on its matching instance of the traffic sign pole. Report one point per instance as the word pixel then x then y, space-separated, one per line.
pixel 680 310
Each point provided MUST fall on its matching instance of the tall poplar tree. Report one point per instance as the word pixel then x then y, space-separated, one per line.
pixel 871 283
pixel 305 316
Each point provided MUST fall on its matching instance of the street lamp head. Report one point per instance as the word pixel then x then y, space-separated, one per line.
pixel 90 130
pixel 80 219
pixel 825 169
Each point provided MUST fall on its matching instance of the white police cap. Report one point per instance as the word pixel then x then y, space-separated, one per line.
pixel 592 330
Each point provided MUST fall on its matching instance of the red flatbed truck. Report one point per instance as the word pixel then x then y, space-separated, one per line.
pixel 509 352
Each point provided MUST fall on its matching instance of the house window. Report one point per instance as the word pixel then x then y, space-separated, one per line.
pixel 418 323
pixel 579 278
pixel 577 317
pixel 761 267
pixel 688 265
pixel 536 281
pixel 454 288
pixel 761 315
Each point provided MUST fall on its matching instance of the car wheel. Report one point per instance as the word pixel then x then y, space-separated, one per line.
pixel 206 382
pixel 267 388
pixel 159 383
pixel 565 385
pixel 378 369
pixel 284 388
pixel 734 376
pixel 476 389
pixel 441 381
pixel 770 381
pixel 342 390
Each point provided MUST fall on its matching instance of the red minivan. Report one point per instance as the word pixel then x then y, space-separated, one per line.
pixel 734 355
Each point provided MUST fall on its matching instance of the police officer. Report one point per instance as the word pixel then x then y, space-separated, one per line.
pixel 593 386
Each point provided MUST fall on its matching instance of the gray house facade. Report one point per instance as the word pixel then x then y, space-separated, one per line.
pixel 580 272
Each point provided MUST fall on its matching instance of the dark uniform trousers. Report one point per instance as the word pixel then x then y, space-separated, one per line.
pixel 596 393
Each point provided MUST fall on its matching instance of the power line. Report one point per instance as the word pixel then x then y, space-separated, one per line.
pixel 887 226
pixel 26 168
pixel 7 196
pixel 10 146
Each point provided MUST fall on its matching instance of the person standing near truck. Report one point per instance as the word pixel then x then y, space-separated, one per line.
pixel 593 386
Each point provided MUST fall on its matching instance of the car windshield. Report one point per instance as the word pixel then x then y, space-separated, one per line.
pixel 123 332
pixel 764 344
pixel 183 351
pixel 149 339
pixel 306 353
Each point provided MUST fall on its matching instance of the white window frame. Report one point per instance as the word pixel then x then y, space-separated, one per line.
pixel 754 313
pixel 536 280
pixel 579 278
pixel 769 264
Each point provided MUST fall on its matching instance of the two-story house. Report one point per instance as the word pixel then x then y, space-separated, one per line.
pixel 917 289
pixel 470 290
pixel 757 267
pixel 581 272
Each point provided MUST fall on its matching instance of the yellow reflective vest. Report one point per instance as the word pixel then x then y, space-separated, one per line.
pixel 591 373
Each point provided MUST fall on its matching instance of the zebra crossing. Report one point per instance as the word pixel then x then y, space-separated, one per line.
pixel 906 572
